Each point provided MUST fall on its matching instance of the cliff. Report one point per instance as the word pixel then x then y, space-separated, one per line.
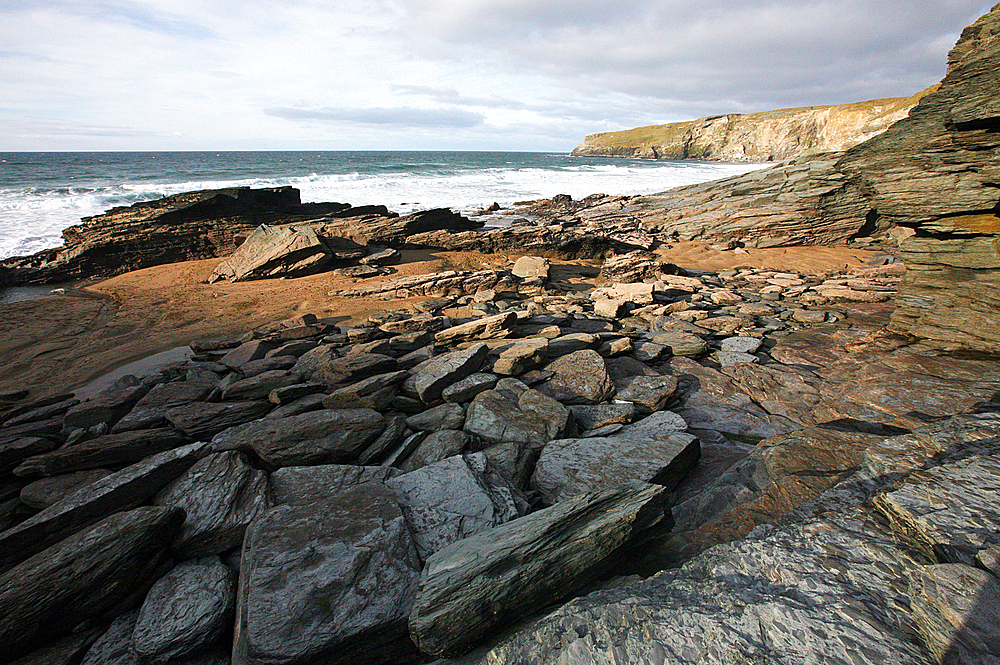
pixel 755 137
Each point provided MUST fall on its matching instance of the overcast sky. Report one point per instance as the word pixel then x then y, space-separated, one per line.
pixel 440 74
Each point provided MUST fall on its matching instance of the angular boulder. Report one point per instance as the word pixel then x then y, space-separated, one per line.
pixel 330 581
pixel 185 611
pixel 273 252
pixel 453 499
pixel 567 467
pixel 580 377
pixel 476 586
pixel 328 436
pixel 94 572
pixel 119 491
pixel 220 495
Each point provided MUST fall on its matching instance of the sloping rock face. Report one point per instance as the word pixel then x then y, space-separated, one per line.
pixel 938 172
pixel 755 137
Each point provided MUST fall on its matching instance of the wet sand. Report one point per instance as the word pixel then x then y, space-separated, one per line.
pixel 54 345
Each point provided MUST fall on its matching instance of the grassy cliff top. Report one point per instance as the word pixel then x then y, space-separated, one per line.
pixel 641 137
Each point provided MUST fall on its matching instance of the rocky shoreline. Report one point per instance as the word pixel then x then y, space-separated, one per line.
pixel 496 465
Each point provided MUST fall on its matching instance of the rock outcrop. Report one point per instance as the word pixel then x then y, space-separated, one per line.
pixel 769 136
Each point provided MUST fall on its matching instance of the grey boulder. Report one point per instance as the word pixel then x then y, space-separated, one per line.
pixel 330 582
pixel 567 467
pixel 220 494
pixel 476 586
pixel 185 611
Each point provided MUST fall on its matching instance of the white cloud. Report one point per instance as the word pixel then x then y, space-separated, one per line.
pixel 487 74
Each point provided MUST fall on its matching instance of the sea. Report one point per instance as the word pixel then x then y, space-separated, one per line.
pixel 42 193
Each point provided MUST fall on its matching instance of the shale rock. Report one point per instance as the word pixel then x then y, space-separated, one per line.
pixel 442 371
pixel 580 377
pixel 220 494
pixel 95 572
pixel 296 485
pixel 512 412
pixel 331 580
pixel 112 450
pixel 185 612
pixel 475 586
pixel 317 437
pixel 46 491
pixel 107 406
pixel 120 491
pixel 568 467
pixel 202 420
pixel 453 499
pixel 274 252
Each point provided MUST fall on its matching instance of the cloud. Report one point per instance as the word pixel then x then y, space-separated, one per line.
pixel 399 117
pixel 714 54
pixel 136 14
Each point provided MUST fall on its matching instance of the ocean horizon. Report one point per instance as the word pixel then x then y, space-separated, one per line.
pixel 42 193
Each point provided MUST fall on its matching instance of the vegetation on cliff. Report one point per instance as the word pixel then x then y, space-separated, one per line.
pixel 756 137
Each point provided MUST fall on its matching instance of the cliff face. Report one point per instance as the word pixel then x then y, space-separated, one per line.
pixel 938 172
pixel 755 137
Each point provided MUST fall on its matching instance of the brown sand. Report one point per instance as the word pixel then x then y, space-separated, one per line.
pixel 57 344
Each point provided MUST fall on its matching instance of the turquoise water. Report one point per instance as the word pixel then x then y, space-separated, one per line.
pixel 43 193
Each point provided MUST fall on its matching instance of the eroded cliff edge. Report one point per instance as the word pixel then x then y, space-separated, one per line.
pixel 767 136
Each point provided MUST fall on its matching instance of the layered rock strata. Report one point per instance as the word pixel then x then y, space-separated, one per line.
pixel 755 137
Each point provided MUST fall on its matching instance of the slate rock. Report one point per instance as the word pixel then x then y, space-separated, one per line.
pixel 741 344
pixel 44 492
pixel 185 611
pixel 328 436
pixel 246 352
pixel 654 426
pixel 570 343
pixel 375 392
pixel 259 385
pixel 445 416
pixel 42 411
pixel 958 612
pixel 274 251
pixel 202 420
pixel 297 485
pixel 436 446
pixel 353 367
pixel 17 450
pixel 454 498
pixel 328 582
pixel 514 412
pixel 592 416
pixel 288 394
pixel 446 369
pixel 567 467
pixel 466 389
pixel 220 494
pixel 119 491
pixel 681 344
pixel 111 450
pixel 114 646
pixel 647 393
pixel 476 586
pixel 520 357
pixel 496 326
pixel 107 406
pixel 151 410
pixel 390 438
pixel 95 572
pixel 580 377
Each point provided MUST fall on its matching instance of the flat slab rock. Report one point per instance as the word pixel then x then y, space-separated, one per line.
pixel 126 547
pixel 331 581
pixel 220 495
pixel 119 491
pixel 453 499
pixel 476 586
pixel 112 450
pixel 316 437
pixel 567 467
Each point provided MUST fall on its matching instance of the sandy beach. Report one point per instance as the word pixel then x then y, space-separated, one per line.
pixel 55 345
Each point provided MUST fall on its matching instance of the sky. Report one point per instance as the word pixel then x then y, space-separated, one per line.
pixel 440 74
